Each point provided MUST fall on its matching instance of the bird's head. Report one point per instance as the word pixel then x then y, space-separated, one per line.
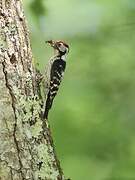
pixel 59 46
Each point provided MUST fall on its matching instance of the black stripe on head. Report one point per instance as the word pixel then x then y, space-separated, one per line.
pixel 65 44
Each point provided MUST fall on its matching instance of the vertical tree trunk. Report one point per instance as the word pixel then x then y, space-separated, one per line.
pixel 26 148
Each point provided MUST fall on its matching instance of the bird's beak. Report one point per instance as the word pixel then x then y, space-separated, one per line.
pixel 49 42
pixel 52 43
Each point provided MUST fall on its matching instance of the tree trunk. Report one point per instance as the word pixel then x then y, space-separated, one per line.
pixel 26 147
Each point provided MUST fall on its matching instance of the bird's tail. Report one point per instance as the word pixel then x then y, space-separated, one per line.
pixel 45 114
pixel 47 106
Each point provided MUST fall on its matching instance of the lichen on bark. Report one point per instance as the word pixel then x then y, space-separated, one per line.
pixel 26 147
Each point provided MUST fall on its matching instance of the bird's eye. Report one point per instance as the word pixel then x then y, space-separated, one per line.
pixel 59 45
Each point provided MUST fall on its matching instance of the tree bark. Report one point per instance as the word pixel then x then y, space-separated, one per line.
pixel 26 147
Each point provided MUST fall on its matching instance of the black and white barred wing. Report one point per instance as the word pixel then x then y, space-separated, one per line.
pixel 57 72
pixel 56 75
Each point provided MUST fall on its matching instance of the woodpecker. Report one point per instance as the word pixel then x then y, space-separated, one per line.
pixel 54 72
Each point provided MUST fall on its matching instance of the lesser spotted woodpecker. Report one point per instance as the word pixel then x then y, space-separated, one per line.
pixel 54 72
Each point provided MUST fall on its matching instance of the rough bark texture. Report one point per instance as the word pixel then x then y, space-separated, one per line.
pixel 26 148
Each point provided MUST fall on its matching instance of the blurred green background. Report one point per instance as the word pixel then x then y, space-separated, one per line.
pixel 93 116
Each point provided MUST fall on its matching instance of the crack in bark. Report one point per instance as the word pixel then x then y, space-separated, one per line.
pixel 8 86
pixel 15 125
pixel 11 173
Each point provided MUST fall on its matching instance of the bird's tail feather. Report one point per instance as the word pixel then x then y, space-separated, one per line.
pixel 48 106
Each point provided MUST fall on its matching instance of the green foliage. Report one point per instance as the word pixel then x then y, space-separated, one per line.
pixel 93 115
pixel 38 8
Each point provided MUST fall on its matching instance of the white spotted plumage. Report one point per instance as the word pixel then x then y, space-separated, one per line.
pixel 54 73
